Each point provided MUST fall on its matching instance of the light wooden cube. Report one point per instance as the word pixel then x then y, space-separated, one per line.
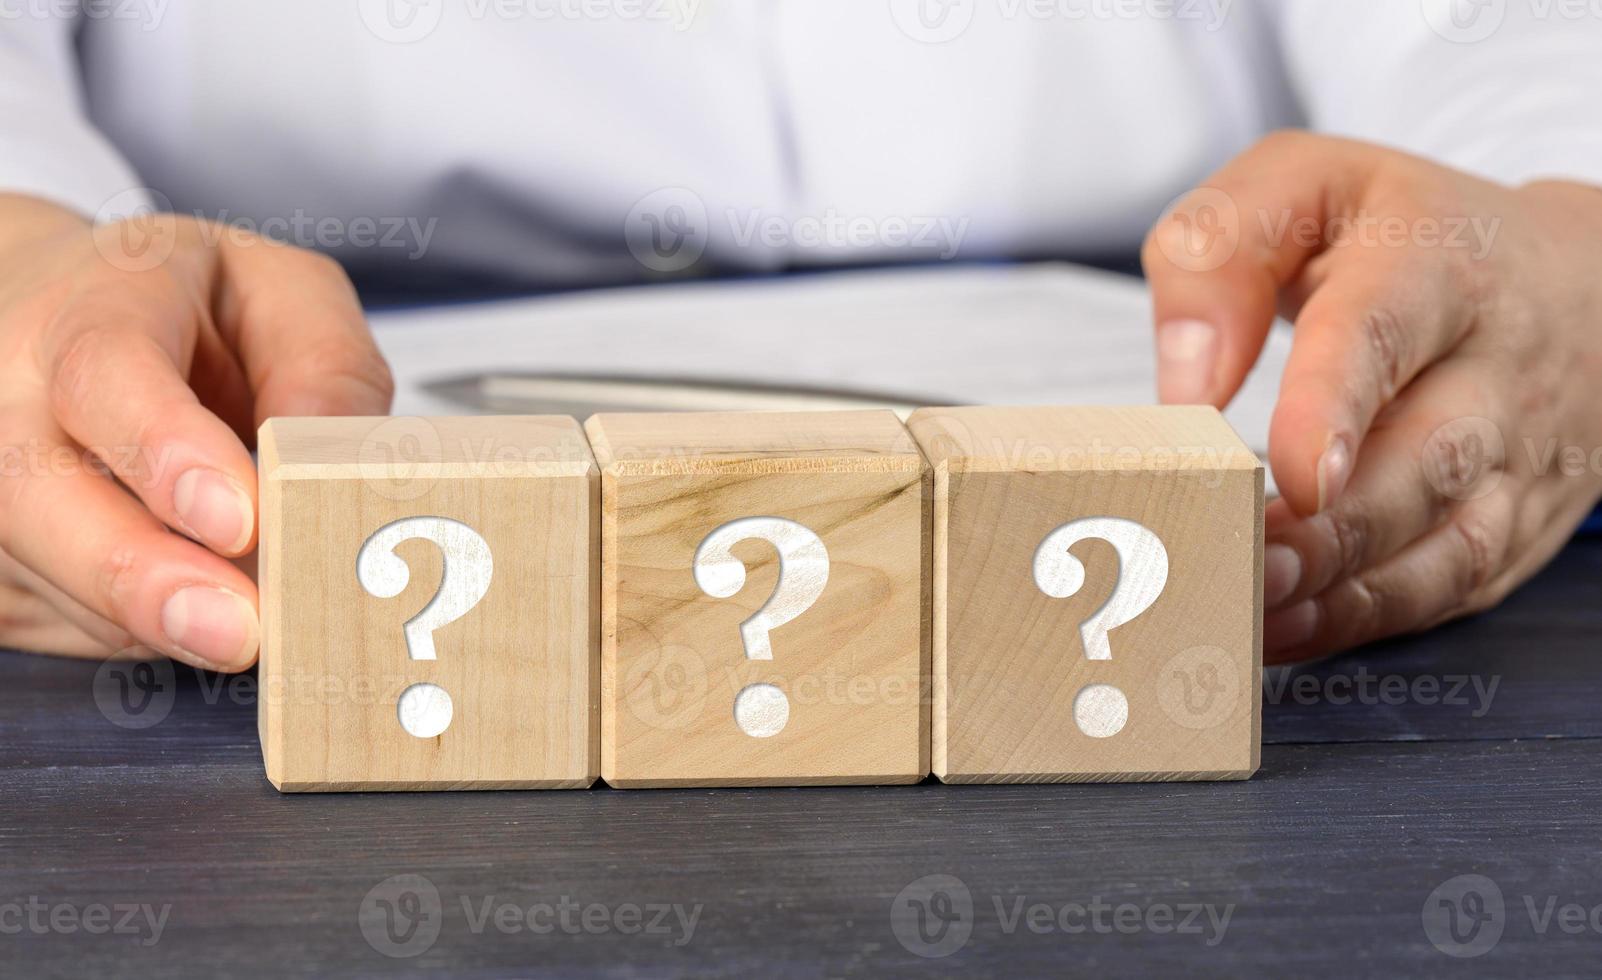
pixel 402 558
pixel 1097 594
pixel 715 671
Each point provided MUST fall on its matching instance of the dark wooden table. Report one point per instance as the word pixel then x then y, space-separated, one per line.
pixel 1388 774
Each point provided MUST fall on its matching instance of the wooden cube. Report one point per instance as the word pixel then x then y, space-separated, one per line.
pixel 1097 594
pixel 429 616
pixel 725 664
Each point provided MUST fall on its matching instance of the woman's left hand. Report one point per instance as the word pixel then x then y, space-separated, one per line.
pixel 1438 435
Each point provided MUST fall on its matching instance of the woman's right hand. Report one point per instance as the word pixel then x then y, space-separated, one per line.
pixel 136 361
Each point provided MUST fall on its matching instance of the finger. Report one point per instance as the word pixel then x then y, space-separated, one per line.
pixel 89 538
pixel 1442 575
pixel 1378 319
pixel 1396 495
pixel 47 604
pixel 117 386
pixel 28 622
pixel 300 332
pixel 1217 261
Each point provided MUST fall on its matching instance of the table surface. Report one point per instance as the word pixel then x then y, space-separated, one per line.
pixel 129 798
pixel 1386 773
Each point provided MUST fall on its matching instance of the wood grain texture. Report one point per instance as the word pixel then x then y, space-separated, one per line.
pixel 520 666
pixel 1009 660
pixel 673 659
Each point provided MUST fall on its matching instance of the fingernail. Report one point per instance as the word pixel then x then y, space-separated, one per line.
pixel 1290 628
pixel 1282 570
pixel 214 509
pixel 1186 353
pixel 1334 469
pixel 213 626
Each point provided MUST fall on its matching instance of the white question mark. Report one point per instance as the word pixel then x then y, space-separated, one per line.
pixel 1100 710
pixel 761 710
pixel 425 709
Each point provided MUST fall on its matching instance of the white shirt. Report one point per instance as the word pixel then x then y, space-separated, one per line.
pixel 566 142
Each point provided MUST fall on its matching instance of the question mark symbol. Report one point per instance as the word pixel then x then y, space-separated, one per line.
pixel 425 709
pixel 1100 710
pixel 761 710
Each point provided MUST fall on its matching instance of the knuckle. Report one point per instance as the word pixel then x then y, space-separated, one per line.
pixel 319 265
pixel 115 583
pixel 1350 531
pixel 1363 613
pixel 1389 347
pixel 76 370
pixel 1482 546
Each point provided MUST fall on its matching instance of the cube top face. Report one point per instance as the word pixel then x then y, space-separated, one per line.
pixel 1098 594
pixel 400 449
pixel 713 441
pixel 764 584
pixel 1076 439
pixel 402 558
